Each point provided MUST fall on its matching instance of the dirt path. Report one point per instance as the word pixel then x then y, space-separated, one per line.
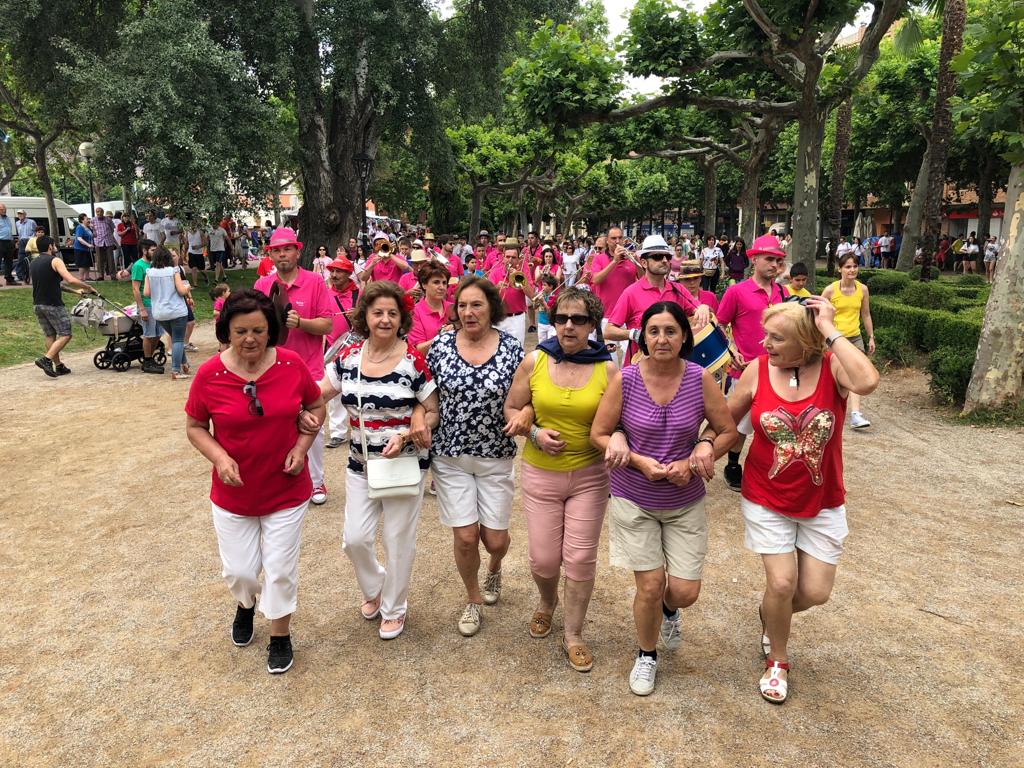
pixel 117 649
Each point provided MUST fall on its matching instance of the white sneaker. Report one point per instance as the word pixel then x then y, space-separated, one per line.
pixel 319 495
pixel 671 637
pixel 492 588
pixel 857 420
pixel 469 621
pixel 641 679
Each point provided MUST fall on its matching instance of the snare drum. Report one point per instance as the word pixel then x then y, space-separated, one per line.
pixel 711 348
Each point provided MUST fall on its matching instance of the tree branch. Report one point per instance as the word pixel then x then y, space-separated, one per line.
pixel 882 18
pixel 757 13
pixel 684 99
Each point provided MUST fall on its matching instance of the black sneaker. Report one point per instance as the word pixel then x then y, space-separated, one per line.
pixel 47 365
pixel 62 370
pixel 279 655
pixel 734 476
pixel 241 627
pixel 148 366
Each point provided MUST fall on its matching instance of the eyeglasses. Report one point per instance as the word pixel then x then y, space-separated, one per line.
pixel 656 256
pixel 560 319
pixel 255 406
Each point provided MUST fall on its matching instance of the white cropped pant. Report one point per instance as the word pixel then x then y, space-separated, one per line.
pixel 401 516
pixel 269 543
pixel 315 459
pixel 337 419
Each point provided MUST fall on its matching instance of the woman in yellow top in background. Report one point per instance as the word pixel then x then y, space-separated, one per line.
pixel 851 300
pixel 564 481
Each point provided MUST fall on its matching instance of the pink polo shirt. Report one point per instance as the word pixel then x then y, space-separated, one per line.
pixel 407 281
pixel 709 299
pixel 494 257
pixel 386 269
pixel 622 276
pixel 310 297
pixel 426 323
pixel 742 307
pixel 636 298
pixel 341 302
pixel 514 298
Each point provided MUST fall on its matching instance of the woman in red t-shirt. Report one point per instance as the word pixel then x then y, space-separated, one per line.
pixel 793 494
pixel 252 393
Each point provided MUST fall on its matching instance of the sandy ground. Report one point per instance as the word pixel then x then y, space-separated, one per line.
pixel 117 650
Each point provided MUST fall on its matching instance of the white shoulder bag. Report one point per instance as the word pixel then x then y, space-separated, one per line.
pixel 386 478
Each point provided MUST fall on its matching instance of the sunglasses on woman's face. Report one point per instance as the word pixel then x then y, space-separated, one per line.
pixel 255 406
pixel 560 319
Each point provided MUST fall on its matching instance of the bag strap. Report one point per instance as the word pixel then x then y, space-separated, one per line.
pixel 359 400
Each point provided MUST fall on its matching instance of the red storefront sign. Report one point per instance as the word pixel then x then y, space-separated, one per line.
pixel 997 213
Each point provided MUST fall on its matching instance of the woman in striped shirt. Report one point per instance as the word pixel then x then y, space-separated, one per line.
pixel 657 524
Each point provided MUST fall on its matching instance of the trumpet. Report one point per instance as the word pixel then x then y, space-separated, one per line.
pixel 385 248
pixel 518 280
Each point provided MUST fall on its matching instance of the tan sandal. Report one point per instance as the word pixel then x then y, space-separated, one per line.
pixel 579 656
pixel 540 625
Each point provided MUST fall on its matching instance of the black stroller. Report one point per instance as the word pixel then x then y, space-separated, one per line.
pixel 124 340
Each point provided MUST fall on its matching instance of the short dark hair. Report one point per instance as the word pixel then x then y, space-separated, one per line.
pixel 145 243
pixel 43 243
pixel 83 216
pixel 243 303
pixel 491 293
pixel 678 315
pixel 798 269
pixel 432 269
pixel 839 262
pixel 591 304
pixel 380 289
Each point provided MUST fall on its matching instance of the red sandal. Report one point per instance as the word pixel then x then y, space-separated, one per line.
pixel 774 685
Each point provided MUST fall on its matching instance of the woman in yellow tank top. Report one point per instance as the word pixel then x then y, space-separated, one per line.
pixel 851 300
pixel 563 478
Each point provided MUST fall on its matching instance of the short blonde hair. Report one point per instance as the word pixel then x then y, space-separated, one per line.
pixel 800 321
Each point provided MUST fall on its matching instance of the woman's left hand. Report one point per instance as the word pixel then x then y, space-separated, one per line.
pixel 679 472
pixel 824 313
pixel 419 432
pixel 617 453
pixel 701 317
pixel 702 461
pixel 308 423
pixel 295 461
pixel 520 423
pixel 394 447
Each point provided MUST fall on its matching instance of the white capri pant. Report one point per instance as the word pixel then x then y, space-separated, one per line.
pixel 337 419
pixel 401 516
pixel 269 543
pixel 515 325
pixel 623 345
pixel 315 459
pixel 471 489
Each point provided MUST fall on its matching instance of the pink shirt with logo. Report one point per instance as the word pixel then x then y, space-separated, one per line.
pixel 621 277
pixel 742 307
pixel 514 298
pixel 310 298
pixel 426 323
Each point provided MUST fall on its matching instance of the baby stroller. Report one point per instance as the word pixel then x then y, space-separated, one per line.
pixel 123 332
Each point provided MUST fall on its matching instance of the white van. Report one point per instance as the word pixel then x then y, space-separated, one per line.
pixel 35 209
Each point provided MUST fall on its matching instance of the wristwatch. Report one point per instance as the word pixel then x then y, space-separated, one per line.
pixel 831 339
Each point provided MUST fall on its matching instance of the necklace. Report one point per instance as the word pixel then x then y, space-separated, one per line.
pixel 386 356
pixel 794 378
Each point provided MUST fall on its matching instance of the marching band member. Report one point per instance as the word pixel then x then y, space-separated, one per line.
pixel 385 263
pixel 515 287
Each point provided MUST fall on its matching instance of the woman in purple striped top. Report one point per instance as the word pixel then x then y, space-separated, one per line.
pixel 649 425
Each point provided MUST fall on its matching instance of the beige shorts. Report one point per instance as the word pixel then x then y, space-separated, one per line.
pixel 648 539
pixel 858 342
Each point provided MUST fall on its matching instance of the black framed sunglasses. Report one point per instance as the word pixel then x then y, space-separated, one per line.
pixel 656 256
pixel 802 301
pixel 560 319
pixel 255 406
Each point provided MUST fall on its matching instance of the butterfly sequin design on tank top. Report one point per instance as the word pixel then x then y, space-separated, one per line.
pixel 798 438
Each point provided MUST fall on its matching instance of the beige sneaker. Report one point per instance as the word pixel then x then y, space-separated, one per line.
pixel 492 588
pixel 469 622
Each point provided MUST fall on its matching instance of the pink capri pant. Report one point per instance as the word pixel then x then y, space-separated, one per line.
pixel 564 512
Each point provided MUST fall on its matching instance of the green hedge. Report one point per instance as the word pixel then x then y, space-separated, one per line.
pixel 894 346
pixel 927 296
pixel 915 272
pixel 888 282
pixel 950 369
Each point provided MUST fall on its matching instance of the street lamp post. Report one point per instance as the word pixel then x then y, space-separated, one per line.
pixel 363 165
pixel 88 150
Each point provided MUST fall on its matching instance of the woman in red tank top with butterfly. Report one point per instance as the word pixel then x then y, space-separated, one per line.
pixel 793 493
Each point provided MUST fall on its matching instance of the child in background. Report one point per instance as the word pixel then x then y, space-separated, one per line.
pixel 798 280
pixel 219 293
pixel 545 330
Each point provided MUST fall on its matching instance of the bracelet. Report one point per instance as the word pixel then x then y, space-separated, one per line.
pixel 533 434
pixel 832 339
pixel 708 440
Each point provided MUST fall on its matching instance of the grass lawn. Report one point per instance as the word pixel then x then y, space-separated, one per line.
pixel 21 340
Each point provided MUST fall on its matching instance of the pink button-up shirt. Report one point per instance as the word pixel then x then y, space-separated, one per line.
pixel 426 323
pixel 636 299
pixel 742 307
pixel 310 297
pixel 622 276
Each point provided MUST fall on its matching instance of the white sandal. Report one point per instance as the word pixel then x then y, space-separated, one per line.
pixel 774 687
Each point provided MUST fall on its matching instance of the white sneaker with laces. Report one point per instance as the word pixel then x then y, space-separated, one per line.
pixel 857 420
pixel 671 636
pixel 641 679
pixel 469 621
pixel 319 495
pixel 492 588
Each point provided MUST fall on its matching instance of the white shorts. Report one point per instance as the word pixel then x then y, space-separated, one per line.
pixel 769 533
pixel 471 489
pixel 744 426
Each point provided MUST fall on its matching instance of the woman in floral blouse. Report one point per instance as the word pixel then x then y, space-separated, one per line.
pixel 472 446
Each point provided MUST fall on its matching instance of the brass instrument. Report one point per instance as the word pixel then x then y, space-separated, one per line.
pixel 518 280
pixel 385 247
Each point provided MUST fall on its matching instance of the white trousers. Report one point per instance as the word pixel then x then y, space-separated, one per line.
pixel 337 419
pixel 269 543
pixel 516 326
pixel 315 458
pixel 401 516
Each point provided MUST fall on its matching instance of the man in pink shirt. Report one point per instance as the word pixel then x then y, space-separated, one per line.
pixel 741 308
pixel 410 282
pixel 515 299
pixel 493 254
pixel 611 273
pixel 344 293
pixel 309 319
pixel 385 263
pixel 624 318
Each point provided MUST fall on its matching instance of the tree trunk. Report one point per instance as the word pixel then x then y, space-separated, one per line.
pixel 710 170
pixel 749 206
pixel 912 230
pixel 39 157
pixel 985 200
pixel 953 19
pixel 998 377
pixel 474 211
pixel 840 154
pixel 805 196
